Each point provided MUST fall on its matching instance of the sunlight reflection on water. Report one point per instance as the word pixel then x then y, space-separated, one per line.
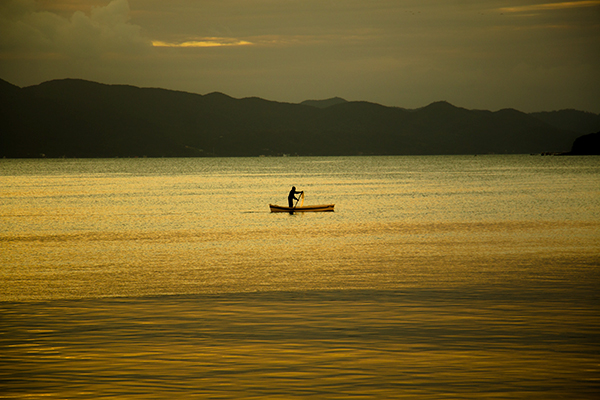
pixel 326 344
pixel 456 277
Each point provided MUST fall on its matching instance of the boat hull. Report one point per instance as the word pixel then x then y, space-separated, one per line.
pixel 317 208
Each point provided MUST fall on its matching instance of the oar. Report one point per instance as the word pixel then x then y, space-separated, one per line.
pixel 297 200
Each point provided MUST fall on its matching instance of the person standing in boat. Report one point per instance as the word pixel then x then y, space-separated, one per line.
pixel 291 196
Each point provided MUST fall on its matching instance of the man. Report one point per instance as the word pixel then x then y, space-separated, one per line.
pixel 291 196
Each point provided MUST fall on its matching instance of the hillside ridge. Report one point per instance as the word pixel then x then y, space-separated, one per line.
pixel 79 118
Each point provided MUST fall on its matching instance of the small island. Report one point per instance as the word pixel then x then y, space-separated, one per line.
pixel 586 145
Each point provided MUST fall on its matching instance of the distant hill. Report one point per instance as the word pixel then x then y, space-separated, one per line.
pixel 324 103
pixel 574 120
pixel 76 118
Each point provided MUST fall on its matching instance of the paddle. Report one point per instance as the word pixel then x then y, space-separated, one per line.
pixel 297 200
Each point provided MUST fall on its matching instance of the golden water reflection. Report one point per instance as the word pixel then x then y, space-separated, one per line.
pixel 361 256
pixel 323 344
pixel 436 277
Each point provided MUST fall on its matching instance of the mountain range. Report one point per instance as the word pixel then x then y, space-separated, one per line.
pixel 78 118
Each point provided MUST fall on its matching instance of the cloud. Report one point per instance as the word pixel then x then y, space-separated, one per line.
pixel 551 6
pixel 204 42
pixel 27 32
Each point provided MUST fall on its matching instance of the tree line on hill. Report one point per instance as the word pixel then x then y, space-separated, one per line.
pixel 77 118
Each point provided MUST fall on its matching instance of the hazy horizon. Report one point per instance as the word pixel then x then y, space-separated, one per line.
pixel 494 54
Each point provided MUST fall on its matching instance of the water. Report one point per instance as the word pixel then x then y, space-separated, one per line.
pixel 436 277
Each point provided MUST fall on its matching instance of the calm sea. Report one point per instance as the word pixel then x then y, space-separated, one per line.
pixel 436 277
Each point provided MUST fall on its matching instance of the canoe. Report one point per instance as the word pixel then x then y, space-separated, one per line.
pixel 318 208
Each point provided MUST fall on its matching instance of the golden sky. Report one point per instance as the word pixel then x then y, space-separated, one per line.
pixel 489 54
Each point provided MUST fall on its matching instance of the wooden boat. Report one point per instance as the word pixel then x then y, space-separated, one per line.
pixel 317 208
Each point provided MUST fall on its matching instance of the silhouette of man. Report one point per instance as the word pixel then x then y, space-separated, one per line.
pixel 291 196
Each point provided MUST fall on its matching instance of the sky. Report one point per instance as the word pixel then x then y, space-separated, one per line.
pixel 531 55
